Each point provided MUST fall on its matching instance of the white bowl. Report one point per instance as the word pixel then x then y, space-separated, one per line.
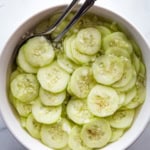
pixel 7 57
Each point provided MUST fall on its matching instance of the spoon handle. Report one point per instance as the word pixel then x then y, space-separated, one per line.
pixel 65 13
pixel 86 5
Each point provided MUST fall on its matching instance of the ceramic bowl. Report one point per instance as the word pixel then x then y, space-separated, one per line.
pixel 7 58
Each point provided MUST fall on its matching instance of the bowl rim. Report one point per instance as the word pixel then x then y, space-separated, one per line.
pixel 5 117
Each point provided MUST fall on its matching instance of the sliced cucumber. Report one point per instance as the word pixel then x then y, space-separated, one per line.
pixel 79 57
pixel 122 98
pixel 142 71
pixel 14 74
pixel 59 28
pixel 130 84
pixel 12 99
pixel 136 48
pixel 122 119
pixel 78 112
pixel 120 52
pixel 66 63
pixel 53 78
pixel 75 139
pixel 96 134
pixel 23 64
pixel 67 125
pixel 81 82
pixel 116 134
pixel 103 30
pixel 51 99
pixel 117 39
pixel 23 121
pixel 140 95
pixel 113 26
pixel 33 127
pixel 107 69
pixel 80 93
pixel 126 76
pixel 69 89
pixel 88 41
pixel 25 87
pixel 22 108
pixel 103 101
pixel 67 48
pixel 66 148
pixel 46 114
pixel 38 51
pixel 136 62
pixel 54 136
pixel 130 95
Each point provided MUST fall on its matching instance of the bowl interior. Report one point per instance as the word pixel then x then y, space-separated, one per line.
pixel 9 53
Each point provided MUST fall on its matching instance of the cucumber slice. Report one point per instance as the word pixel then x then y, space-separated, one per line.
pixel 20 70
pixel 136 63
pixel 14 74
pixel 103 30
pixel 52 78
pixel 107 69
pixel 23 64
pixel 25 87
pixel 130 84
pixel 140 95
pixel 65 63
pixel 12 99
pixel 81 82
pixel 33 127
pixel 116 134
pixel 122 98
pixel 120 52
pixel 126 76
pixel 54 136
pixel 38 51
pixel 46 114
pixel 117 39
pixel 67 125
pixel 51 99
pixel 67 48
pixel 130 95
pixel 122 119
pixel 103 101
pixel 136 49
pixel 78 112
pixel 113 26
pixel 23 121
pixel 22 108
pixel 75 139
pixel 66 148
pixel 69 89
pixel 142 71
pixel 59 28
pixel 96 134
pixel 88 41
pixel 79 57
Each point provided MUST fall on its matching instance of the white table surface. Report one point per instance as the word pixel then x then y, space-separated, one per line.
pixel 14 12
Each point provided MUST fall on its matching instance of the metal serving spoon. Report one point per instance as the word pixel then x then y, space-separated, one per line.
pixel 83 9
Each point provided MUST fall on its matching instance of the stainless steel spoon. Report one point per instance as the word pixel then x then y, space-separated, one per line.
pixel 83 9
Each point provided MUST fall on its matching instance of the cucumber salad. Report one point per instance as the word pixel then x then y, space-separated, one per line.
pixel 81 92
